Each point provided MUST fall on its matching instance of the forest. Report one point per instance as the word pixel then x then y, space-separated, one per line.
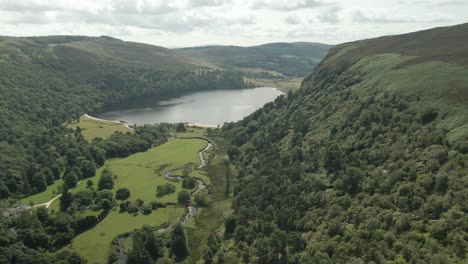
pixel 350 169
pixel 365 163
pixel 47 82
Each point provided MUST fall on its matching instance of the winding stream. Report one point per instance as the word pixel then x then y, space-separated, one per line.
pixel 192 210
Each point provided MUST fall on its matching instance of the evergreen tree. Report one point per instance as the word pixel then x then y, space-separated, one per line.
pixel 66 199
pixel 139 254
pixel 179 247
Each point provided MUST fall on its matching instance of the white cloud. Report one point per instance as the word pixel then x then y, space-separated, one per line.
pixel 293 20
pixel 237 22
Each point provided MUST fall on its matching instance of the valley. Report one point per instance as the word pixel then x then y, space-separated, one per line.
pixel 114 151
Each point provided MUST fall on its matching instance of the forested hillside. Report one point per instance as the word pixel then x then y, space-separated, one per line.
pixel 46 81
pixel 269 64
pixel 366 163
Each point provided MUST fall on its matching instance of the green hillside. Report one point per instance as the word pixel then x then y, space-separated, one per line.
pixel 366 163
pixel 47 81
pixel 264 64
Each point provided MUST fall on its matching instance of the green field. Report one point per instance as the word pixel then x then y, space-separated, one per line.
pixel 141 174
pixel 284 84
pixel 423 80
pixel 92 128
pixel 44 196
pixel 94 244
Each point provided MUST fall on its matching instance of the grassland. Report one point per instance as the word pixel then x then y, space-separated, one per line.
pixel 440 83
pixel 284 84
pixel 92 128
pixel 94 244
pixel 210 220
pixel 140 173
pixel 43 197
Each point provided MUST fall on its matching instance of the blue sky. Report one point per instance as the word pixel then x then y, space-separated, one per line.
pixel 181 23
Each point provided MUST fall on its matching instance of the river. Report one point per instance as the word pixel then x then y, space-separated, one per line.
pixel 212 107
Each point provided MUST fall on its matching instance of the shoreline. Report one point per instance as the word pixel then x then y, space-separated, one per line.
pixel 127 126
pixel 109 121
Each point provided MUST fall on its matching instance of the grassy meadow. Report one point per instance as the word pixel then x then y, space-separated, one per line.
pixel 284 84
pixel 423 80
pixel 94 244
pixel 92 128
pixel 43 197
pixel 140 173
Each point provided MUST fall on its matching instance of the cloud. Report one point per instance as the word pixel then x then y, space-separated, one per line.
pixel 330 15
pixel 285 5
pixel 200 22
pixel 293 20
pixel 205 3
pixel 367 16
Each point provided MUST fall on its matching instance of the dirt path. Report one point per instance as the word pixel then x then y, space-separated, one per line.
pixel 47 205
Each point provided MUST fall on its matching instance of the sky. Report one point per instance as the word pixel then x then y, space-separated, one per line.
pixel 183 23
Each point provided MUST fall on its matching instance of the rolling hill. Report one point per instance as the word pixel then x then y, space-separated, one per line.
pixel 46 81
pixel 266 64
pixel 365 163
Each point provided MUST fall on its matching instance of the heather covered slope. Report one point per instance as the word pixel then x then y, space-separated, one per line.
pixel 367 162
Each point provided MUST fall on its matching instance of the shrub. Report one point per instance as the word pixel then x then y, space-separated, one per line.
pixel 165 189
pixel 122 194
pixel 156 204
pixel 147 209
pixel 183 198
pixel 189 183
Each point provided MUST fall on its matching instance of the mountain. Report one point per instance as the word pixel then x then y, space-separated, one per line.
pixel 264 64
pixel 366 163
pixel 46 81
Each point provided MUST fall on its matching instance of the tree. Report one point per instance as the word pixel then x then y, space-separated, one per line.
pixel 153 245
pixel 202 199
pixel 165 189
pixel 88 169
pixel 70 179
pixel 181 127
pixel 189 183
pixel 122 194
pixel 39 182
pixel 179 247
pixel 183 198
pixel 333 158
pixel 106 181
pixel 139 254
pixel 230 223
pixel 66 199
pixel 89 184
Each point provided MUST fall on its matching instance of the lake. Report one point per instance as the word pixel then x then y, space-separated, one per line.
pixel 212 107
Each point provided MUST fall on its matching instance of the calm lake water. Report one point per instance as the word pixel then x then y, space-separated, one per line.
pixel 205 108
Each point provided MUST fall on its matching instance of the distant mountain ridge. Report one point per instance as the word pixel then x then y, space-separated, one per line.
pixel 290 59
